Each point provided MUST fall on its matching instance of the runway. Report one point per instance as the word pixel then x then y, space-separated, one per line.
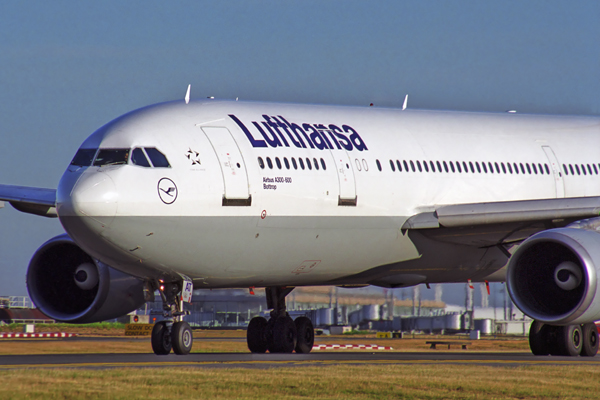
pixel 248 360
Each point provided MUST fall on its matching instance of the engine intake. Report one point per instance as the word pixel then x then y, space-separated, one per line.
pixel 552 277
pixel 67 285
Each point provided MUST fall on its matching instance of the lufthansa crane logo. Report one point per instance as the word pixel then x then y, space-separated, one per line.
pixel 167 190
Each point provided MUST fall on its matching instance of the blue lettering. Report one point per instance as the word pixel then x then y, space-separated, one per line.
pixel 323 129
pixel 316 137
pixel 295 128
pixel 297 143
pixel 274 141
pixel 346 143
pixel 276 127
pixel 253 142
pixel 355 138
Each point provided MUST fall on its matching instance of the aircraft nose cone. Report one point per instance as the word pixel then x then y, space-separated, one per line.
pixel 93 196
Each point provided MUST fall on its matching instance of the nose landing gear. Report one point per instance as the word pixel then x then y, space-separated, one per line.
pixel 172 332
pixel 280 334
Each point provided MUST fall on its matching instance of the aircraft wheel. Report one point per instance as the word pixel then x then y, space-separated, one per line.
pixel 305 335
pixel 182 338
pixel 255 336
pixel 570 340
pixel 161 339
pixel 538 339
pixel 590 340
pixel 284 336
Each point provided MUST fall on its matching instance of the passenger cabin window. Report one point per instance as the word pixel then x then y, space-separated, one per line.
pixel 139 158
pixel 84 157
pixel 261 163
pixel 158 159
pixel 111 157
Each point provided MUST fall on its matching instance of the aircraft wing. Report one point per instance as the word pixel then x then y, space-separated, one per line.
pixel 491 224
pixel 32 200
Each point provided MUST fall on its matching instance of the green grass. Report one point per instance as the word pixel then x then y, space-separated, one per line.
pixel 324 382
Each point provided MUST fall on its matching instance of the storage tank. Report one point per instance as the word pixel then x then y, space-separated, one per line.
pixel 452 322
pixel 370 312
pixel 484 326
pixel 324 316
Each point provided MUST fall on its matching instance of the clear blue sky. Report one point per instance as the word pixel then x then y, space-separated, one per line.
pixel 66 68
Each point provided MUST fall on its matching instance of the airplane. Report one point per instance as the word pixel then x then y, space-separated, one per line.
pixel 210 193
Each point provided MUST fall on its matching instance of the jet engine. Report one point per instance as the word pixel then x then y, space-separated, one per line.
pixel 68 285
pixel 553 276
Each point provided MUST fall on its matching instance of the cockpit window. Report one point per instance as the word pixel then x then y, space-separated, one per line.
pixel 111 157
pixel 139 158
pixel 84 157
pixel 158 159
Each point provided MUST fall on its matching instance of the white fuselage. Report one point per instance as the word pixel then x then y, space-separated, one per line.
pixel 235 208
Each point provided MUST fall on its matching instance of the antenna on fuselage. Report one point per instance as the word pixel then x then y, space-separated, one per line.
pixel 405 103
pixel 187 94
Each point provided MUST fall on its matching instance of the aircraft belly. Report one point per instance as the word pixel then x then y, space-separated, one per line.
pixel 234 251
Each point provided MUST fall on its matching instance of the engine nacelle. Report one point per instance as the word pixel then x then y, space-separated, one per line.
pixel 553 276
pixel 68 285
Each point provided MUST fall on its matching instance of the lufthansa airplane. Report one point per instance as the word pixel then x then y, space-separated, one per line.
pixel 207 194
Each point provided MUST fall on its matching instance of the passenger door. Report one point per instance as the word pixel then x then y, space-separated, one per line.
pixel 232 165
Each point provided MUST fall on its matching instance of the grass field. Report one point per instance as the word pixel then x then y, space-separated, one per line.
pixel 326 382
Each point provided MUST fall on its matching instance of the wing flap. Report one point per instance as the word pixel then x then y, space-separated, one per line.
pixel 32 200
pixel 501 223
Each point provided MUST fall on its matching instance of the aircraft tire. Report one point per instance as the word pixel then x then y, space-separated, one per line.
pixel 570 340
pixel 538 339
pixel 284 336
pixel 590 340
pixel 160 339
pixel 255 335
pixel 305 335
pixel 182 338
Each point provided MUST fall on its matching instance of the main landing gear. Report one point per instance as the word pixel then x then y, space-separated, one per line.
pixel 172 332
pixel 280 334
pixel 569 340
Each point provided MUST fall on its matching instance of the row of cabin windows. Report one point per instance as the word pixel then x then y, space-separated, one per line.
pixel 516 168
pixel 585 169
pixel 450 166
pixel 473 167
pixel 294 164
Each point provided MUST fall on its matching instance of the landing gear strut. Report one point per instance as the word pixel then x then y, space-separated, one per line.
pixel 280 334
pixel 569 340
pixel 172 332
